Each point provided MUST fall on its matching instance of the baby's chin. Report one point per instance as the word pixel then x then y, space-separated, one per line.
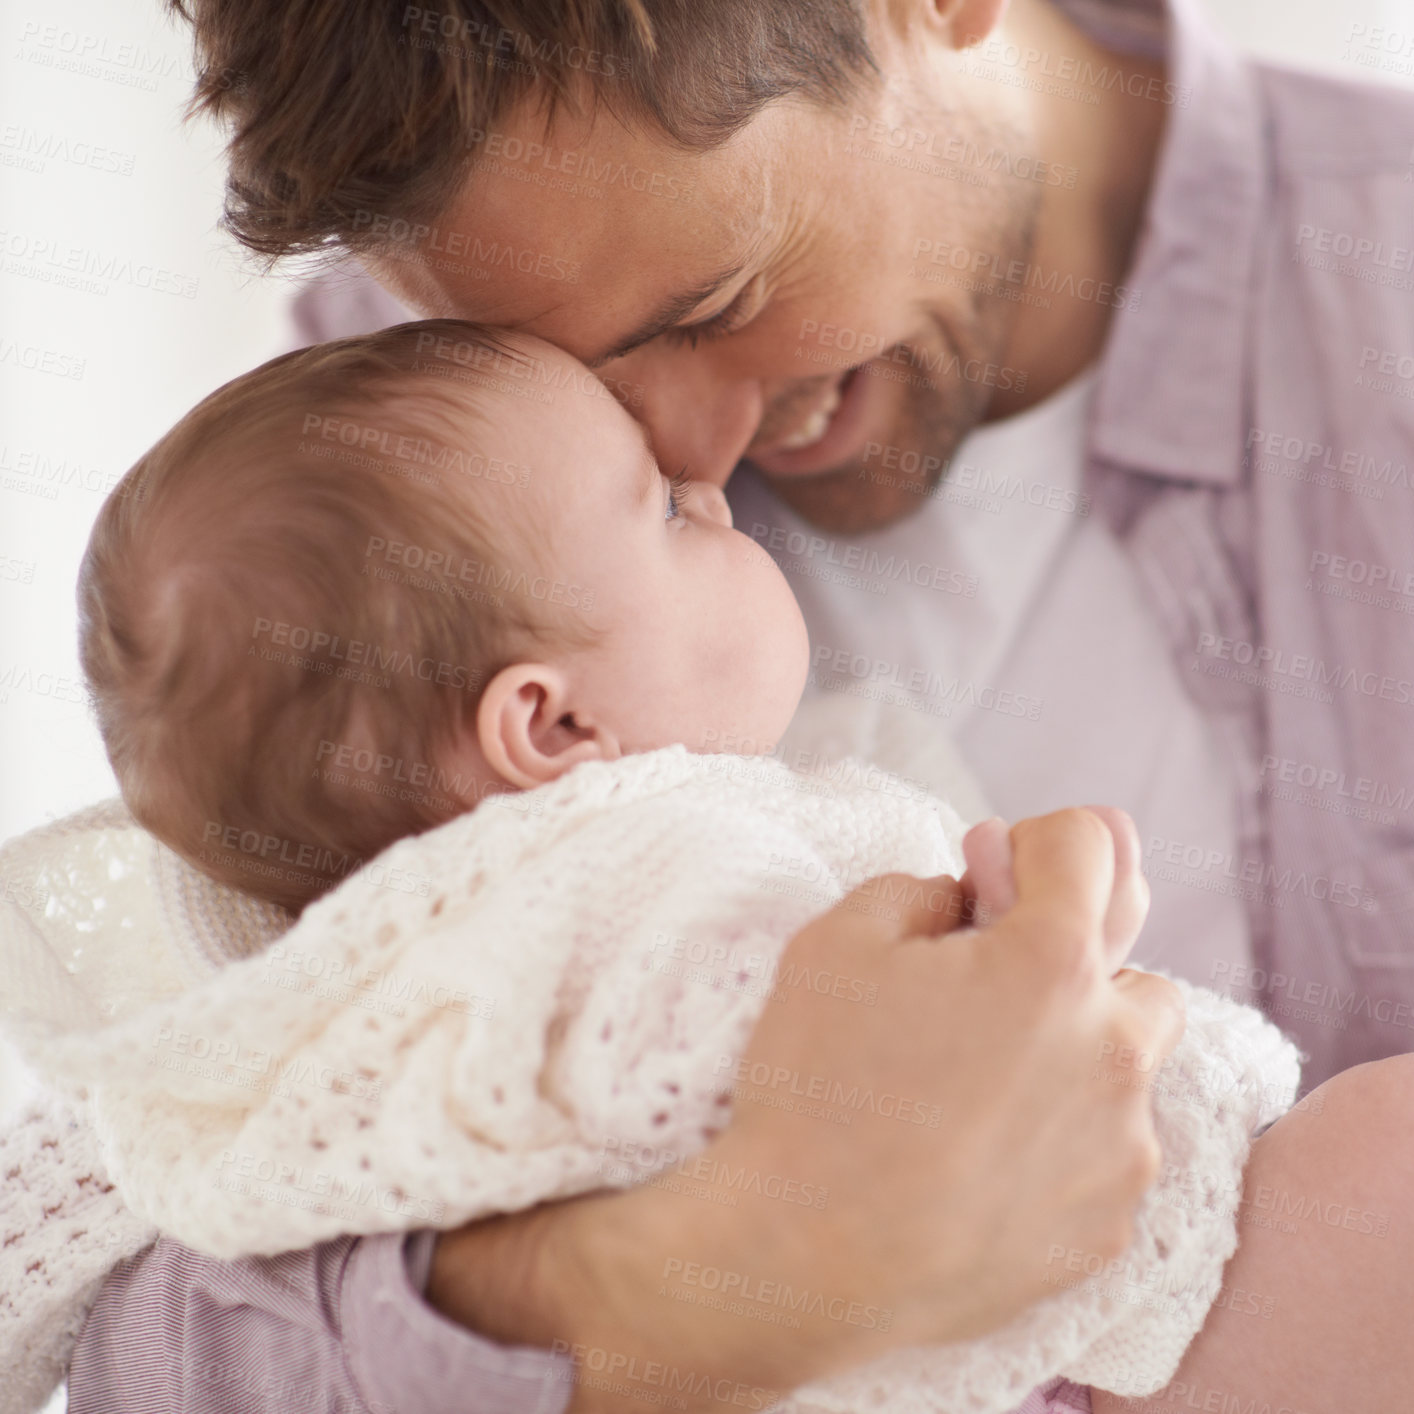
pixel 795 659
pixel 766 728
pixel 755 730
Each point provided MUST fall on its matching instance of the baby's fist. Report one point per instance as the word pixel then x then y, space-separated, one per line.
pixel 989 884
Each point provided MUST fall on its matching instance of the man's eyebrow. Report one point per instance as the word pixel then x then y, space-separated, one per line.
pixel 669 313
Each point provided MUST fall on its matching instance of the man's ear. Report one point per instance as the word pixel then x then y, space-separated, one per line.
pixel 969 22
pixel 529 731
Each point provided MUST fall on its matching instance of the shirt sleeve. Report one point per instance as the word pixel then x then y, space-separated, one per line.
pixel 340 302
pixel 338 1329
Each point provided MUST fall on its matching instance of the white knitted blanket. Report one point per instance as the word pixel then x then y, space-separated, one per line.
pixel 97 921
pixel 557 976
pixel 52 1181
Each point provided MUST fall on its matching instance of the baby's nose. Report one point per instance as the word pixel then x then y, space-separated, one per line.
pixel 711 503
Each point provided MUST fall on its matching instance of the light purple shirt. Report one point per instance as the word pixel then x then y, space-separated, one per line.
pixel 339 1329
pixel 1251 445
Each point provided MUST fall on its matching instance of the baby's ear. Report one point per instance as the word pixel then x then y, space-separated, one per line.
pixel 528 730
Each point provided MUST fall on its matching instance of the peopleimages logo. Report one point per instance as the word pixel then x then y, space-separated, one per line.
pixel 998 486
pixel 1165 857
pixel 500 41
pixel 1365 790
pixel 654 1382
pixel 990 267
pixel 748 1287
pixel 420 236
pixel 1241 981
pixel 1305 668
pixel 58 261
pixel 840 664
pixel 1398 579
pixel 779 1086
pixel 650 1159
pixel 263 1177
pixel 326 648
pixel 870 563
pixel 396 446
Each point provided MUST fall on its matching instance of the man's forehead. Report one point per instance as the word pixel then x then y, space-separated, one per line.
pixel 582 232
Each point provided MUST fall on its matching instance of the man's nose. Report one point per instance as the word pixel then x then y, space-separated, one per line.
pixel 698 415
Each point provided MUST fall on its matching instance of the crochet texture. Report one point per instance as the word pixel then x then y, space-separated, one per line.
pixel 576 975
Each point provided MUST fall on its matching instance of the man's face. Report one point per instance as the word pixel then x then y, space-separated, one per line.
pixel 803 297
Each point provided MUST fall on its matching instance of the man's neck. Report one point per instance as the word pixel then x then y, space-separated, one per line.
pixel 1085 234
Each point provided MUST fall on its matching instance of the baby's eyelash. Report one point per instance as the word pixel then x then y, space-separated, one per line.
pixel 679 484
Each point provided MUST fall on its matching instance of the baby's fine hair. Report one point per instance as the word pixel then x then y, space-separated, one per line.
pixel 274 688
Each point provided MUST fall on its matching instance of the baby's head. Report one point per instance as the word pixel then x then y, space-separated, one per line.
pixel 367 584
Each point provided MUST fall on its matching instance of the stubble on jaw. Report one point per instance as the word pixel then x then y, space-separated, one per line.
pixel 937 404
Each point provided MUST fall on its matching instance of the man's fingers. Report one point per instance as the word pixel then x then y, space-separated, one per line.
pixel 926 908
pixel 1160 1007
pixel 894 907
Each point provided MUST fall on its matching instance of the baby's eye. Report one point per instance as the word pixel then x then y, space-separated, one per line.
pixel 678 486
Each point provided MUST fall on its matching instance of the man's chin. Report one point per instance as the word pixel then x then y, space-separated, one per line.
pixel 887 481
pixel 852 498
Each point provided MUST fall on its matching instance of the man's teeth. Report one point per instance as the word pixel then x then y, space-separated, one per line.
pixel 813 428
pixel 808 432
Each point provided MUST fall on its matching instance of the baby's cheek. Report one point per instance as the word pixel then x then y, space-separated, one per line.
pixel 750 553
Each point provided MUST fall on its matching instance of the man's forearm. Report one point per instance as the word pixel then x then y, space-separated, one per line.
pixel 941 1209
pixel 617 1283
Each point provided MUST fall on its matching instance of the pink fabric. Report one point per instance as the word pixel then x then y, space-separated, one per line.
pixel 1058 1397
pixel 339 1329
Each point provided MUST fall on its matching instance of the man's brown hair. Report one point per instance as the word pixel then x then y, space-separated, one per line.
pixel 341 110
pixel 242 639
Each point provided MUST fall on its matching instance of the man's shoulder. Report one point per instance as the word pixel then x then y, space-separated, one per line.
pixel 1330 126
pixel 340 301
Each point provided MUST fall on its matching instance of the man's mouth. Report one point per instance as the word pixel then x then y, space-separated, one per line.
pixel 813 428
pixel 826 432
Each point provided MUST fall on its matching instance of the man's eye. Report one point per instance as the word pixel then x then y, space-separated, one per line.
pixel 737 315
pixel 691 334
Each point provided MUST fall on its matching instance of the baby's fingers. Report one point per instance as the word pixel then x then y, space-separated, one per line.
pixel 1129 903
pixel 989 881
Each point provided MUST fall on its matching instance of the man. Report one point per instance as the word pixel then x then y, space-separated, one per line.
pixel 832 243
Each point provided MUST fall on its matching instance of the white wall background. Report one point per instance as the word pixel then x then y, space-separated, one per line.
pixel 97 169
pixel 112 75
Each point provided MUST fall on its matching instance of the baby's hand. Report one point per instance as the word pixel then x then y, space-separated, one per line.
pixel 988 885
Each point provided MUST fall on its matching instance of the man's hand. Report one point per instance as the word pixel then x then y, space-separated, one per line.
pixel 960 1127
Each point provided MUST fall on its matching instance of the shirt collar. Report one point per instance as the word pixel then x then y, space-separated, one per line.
pixel 1171 399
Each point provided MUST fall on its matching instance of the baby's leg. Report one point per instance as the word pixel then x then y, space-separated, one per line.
pixel 1318 1300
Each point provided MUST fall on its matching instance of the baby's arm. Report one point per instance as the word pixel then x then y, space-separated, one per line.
pixel 1315 1307
pixel 1316 1302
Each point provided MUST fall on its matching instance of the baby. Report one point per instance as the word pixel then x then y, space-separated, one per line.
pixel 364 586
pixel 426 596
